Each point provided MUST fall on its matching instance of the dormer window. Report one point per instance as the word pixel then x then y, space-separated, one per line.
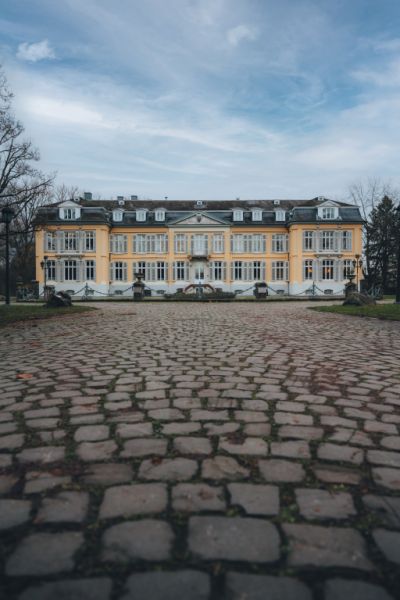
pixel 141 215
pixel 328 212
pixel 256 214
pixel 280 215
pixel 160 215
pixel 69 213
pixel 238 214
pixel 118 215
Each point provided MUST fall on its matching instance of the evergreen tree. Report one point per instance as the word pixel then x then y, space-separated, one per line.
pixel 382 232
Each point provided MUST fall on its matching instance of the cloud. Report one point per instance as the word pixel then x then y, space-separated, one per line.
pixel 240 33
pixel 35 52
pixel 386 76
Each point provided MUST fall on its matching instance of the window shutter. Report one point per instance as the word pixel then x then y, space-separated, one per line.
pixel 45 237
pixel 134 244
pixel 61 270
pixel 94 241
pixel 58 270
pixel 80 241
pixel 264 243
pixel 317 270
pixel 165 243
pixel 232 239
pixel 286 245
pixel 94 271
pixel 125 271
pixel 304 241
pixel 60 241
pixel 125 244
pixel 315 241
pixel 111 271
pixel 336 240
pixel 192 245
pixel 232 271
pixel 287 271
pixel 336 266
pixel 263 270
pixel 174 271
pixel 320 237
pixel 206 244
pixel 223 274
pixel 111 243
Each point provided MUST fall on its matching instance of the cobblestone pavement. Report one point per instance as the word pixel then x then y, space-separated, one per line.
pixel 235 451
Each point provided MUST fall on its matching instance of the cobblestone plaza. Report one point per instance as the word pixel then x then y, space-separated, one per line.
pixel 240 451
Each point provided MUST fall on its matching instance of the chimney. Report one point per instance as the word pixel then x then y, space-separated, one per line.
pixel 87 195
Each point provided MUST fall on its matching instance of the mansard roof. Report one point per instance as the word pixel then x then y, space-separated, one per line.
pixel 221 211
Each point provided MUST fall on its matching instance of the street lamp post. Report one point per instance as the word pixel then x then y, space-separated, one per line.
pixel 43 264
pixel 357 264
pixel 398 256
pixel 7 215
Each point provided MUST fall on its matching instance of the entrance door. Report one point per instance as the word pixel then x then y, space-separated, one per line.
pixel 199 275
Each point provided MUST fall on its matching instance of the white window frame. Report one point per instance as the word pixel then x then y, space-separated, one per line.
pixel 118 243
pixel 347 268
pixel 119 270
pixel 180 243
pixel 328 213
pixel 118 215
pixel 328 268
pixel 159 215
pixel 70 239
pixel 181 270
pixel 280 215
pixel 309 240
pixel 141 215
pixel 347 240
pixel 327 241
pixel 70 270
pixel 218 243
pixel 308 270
pixel 280 270
pixel 90 270
pixel 280 242
pixel 51 270
pixel 237 214
pixel 50 241
pixel 256 214
pixel 90 241
pixel 69 214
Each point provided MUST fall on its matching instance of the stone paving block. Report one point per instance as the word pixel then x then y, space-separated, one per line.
pixel 388 543
pixel 223 467
pixel 197 497
pixel 91 433
pixel 348 589
pixel 282 418
pixel 388 478
pixel 392 442
pixel 107 474
pixel 334 452
pixel 216 538
pixel 192 445
pixel 39 481
pixel 147 539
pixel 128 500
pixel 334 474
pixel 241 586
pixel 144 447
pixel 43 455
pixel 302 433
pixel 250 416
pixel 10 442
pixel 383 457
pixel 386 508
pixel 209 415
pixel 255 499
pixel 44 554
pixel 297 449
pixel 171 469
pixel 316 546
pixel 166 414
pixel 220 429
pixel 180 428
pixel 98 588
pixel 281 471
pixel 7 483
pixel 13 513
pixel 168 585
pixel 321 504
pixel 133 430
pixel 94 451
pixel 248 446
pixel 257 429
pixel 65 507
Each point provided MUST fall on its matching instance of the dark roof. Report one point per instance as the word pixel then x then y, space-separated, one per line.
pixel 297 211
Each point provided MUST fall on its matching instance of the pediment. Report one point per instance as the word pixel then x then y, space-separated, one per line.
pixel 199 218
pixel 68 204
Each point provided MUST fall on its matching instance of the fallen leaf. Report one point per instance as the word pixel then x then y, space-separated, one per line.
pixel 24 376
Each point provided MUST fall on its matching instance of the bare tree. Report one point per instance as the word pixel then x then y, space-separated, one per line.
pixel 367 195
pixel 23 187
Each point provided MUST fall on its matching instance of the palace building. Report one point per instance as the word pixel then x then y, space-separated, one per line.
pixel 292 245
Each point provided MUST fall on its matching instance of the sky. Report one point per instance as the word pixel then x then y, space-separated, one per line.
pixel 203 99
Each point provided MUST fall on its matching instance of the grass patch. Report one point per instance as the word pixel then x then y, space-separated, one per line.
pixel 390 312
pixel 13 313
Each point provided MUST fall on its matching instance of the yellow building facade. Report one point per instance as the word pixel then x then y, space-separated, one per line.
pixel 295 246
